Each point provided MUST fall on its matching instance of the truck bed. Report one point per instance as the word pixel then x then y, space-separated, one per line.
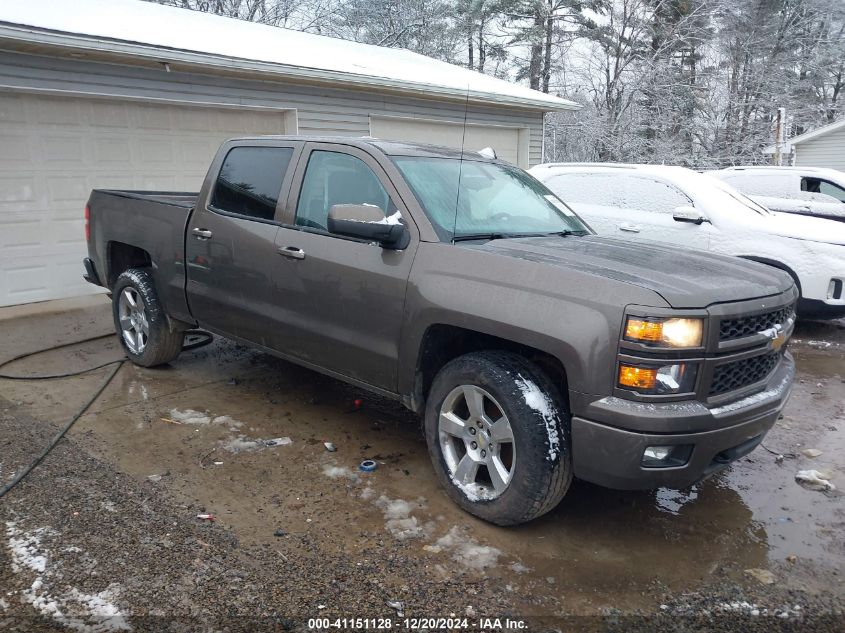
pixel 150 221
pixel 185 199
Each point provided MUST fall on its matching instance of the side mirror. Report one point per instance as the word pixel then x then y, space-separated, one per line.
pixel 367 222
pixel 688 214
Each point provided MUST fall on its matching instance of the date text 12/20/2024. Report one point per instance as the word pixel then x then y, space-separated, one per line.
pixel 416 624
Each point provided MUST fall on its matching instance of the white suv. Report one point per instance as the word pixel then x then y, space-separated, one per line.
pixel 803 190
pixel 682 207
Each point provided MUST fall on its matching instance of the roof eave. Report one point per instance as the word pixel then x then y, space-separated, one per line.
pixel 25 34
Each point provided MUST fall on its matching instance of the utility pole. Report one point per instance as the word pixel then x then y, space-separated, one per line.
pixel 780 125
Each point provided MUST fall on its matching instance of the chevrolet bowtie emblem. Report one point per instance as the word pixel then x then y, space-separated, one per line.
pixel 778 341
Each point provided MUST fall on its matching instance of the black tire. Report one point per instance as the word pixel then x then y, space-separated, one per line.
pixel 542 468
pixel 162 344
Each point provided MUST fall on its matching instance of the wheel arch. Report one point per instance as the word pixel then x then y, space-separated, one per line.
pixel 120 257
pixel 443 342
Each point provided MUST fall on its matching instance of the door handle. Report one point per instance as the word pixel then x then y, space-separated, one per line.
pixel 631 228
pixel 292 252
pixel 202 234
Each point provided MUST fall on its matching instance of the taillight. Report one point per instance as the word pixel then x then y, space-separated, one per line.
pixel 87 224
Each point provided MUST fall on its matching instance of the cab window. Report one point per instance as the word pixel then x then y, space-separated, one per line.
pixel 250 180
pixel 333 178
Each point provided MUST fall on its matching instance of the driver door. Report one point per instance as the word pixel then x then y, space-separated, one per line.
pixel 344 297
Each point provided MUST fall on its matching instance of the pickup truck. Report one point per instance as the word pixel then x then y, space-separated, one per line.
pixel 534 350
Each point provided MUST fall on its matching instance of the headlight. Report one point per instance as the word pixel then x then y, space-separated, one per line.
pixel 653 380
pixel 664 332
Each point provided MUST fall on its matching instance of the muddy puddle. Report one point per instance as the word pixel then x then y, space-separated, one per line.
pixel 200 429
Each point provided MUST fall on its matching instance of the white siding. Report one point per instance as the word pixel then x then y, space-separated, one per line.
pixel 827 150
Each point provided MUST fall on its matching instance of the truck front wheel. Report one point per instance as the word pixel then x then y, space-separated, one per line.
pixel 498 434
pixel 140 320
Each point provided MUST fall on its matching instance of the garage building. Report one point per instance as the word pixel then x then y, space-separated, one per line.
pixel 136 95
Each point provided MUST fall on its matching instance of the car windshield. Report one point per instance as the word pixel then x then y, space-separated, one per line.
pixel 466 198
pixel 736 196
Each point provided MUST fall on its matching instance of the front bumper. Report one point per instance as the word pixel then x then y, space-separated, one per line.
pixel 606 453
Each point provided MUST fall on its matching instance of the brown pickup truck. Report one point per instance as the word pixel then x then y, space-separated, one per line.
pixel 533 349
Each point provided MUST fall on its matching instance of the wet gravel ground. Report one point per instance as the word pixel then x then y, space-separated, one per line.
pixel 104 535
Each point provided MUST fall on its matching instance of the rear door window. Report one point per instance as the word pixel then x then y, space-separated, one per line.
pixel 250 180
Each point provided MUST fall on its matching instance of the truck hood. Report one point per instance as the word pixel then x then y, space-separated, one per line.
pixel 685 279
pixel 802 227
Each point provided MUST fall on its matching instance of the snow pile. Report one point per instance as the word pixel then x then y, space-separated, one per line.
pixel 338 472
pixel 198 418
pixel 542 404
pixel 466 551
pixel 398 519
pixel 814 480
pixel 75 609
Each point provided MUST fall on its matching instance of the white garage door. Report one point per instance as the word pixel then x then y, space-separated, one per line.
pixel 505 140
pixel 56 149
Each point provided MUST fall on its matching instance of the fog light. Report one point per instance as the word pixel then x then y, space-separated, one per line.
pixel 665 456
pixel 657 453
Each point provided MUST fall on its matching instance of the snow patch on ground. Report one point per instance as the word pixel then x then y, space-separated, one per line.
pixel 189 416
pixel 199 418
pixel 466 551
pixel 398 519
pixel 75 609
pixel 536 399
pixel 338 472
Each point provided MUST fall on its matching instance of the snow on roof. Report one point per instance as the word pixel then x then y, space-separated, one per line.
pixel 807 136
pixel 171 34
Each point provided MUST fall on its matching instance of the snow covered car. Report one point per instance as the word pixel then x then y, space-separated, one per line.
pixel 803 190
pixel 686 208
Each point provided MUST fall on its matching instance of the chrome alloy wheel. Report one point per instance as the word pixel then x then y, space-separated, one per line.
pixel 133 320
pixel 477 443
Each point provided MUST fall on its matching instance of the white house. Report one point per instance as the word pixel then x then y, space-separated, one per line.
pixel 823 147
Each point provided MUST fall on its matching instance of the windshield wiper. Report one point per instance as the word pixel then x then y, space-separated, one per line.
pixel 564 233
pixel 479 236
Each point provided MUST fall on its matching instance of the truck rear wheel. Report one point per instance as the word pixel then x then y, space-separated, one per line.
pixel 140 320
pixel 498 436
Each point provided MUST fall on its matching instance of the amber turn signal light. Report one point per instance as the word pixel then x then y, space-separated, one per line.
pixel 642 330
pixel 637 377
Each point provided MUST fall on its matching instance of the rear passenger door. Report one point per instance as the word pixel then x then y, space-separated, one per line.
pixel 343 297
pixel 230 250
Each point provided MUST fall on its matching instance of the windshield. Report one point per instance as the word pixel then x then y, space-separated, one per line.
pixel 466 198
pixel 736 196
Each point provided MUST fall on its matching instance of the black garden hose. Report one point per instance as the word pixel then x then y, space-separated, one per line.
pixel 204 338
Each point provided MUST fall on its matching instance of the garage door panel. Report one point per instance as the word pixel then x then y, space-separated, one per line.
pixel 154 117
pixel 108 114
pixel 65 188
pixel 56 149
pixel 17 189
pixel 16 149
pixel 62 151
